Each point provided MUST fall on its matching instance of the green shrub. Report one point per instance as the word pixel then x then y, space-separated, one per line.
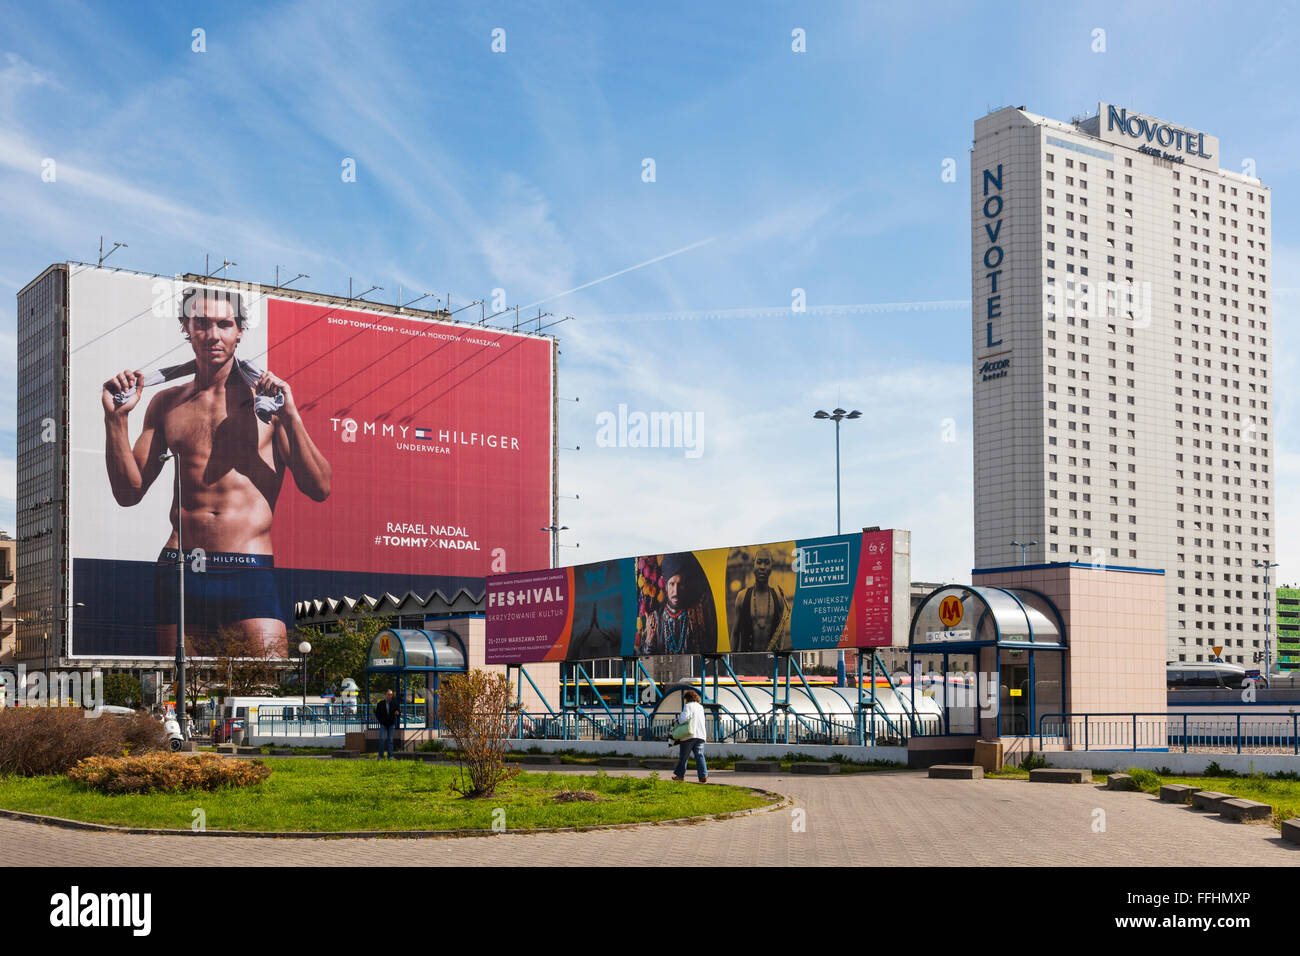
pixel 1033 762
pixel 39 741
pixel 166 773
pixel 1214 770
pixel 1147 780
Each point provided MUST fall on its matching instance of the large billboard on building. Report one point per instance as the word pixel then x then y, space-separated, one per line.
pixel 805 595
pixel 322 449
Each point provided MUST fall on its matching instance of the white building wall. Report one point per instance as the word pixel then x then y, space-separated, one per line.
pixel 1139 390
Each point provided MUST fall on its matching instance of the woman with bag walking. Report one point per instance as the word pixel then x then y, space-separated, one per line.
pixel 690 736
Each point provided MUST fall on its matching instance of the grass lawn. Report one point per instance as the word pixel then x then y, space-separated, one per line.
pixel 1283 795
pixel 329 796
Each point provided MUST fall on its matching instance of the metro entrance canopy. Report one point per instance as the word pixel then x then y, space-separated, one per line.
pixel 1017 634
pixel 402 652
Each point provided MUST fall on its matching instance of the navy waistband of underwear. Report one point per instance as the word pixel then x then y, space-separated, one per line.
pixel 221 560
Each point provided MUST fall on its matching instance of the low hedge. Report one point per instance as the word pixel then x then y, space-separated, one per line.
pixel 166 773
pixel 42 741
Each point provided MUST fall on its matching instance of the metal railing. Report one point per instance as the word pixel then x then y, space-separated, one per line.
pixel 323 720
pixel 1224 730
pixel 784 727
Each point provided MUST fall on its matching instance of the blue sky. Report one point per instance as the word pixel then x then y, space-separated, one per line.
pixel 522 170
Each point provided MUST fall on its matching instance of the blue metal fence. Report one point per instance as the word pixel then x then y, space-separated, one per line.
pixel 1226 730
pixel 323 720
pixel 783 727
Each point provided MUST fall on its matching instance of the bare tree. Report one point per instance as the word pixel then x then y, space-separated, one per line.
pixel 475 710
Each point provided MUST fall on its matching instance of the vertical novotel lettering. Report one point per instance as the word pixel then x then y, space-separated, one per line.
pixel 993 254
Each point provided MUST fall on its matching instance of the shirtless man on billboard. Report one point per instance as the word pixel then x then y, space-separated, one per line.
pixel 232 465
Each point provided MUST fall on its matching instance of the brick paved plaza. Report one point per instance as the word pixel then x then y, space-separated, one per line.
pixel 893 818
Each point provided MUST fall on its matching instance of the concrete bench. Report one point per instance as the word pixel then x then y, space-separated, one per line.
pixel 617 762
pixel 1291 830
pixel 816 768
pixel 1208 800
pixel 660 763
pixel 1120 781
pixel 1055 775
pixel 281 752
pixel 956 771
pixel 1244 811
pixel 345 754
pixel 226 748
pixel 541 758
pixel 758 766
pixel 1177 793
pixel 406 755
pixel 249 751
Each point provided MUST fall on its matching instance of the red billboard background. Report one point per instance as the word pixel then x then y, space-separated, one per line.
pixel 438 435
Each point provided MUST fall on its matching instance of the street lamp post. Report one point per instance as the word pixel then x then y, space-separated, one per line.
pixel 837 416
pixel 555 542
pixel 45 637
pixel 1268 644
pixel 1022 545
pixel 304 649
pixel 180 603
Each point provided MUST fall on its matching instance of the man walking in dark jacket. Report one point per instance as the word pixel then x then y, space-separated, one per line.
pixel 387 713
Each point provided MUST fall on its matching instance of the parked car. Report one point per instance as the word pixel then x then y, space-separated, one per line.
pixel 173 730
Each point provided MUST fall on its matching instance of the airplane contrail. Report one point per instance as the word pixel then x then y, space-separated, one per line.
pixel 639 265
pixel 786 311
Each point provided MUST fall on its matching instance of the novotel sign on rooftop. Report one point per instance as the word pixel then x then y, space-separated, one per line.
pixel 1177 144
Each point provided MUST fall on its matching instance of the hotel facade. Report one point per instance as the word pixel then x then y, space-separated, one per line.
pixel 1122 363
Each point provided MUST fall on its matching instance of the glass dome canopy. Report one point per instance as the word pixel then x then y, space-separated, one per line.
pixel 966 616
pixel 412 649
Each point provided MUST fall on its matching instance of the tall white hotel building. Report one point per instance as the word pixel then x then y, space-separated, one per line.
pixel 1121 344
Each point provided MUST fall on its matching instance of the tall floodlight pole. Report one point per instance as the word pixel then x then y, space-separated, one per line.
pixel 1022 545
pixel 837 416
pixel 1268 644
pixel 180 603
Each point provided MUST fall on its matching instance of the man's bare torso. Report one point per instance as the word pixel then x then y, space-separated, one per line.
pixel 230 475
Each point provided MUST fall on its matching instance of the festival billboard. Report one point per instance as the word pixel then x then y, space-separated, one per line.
pixel 324 450
pixel 803 595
